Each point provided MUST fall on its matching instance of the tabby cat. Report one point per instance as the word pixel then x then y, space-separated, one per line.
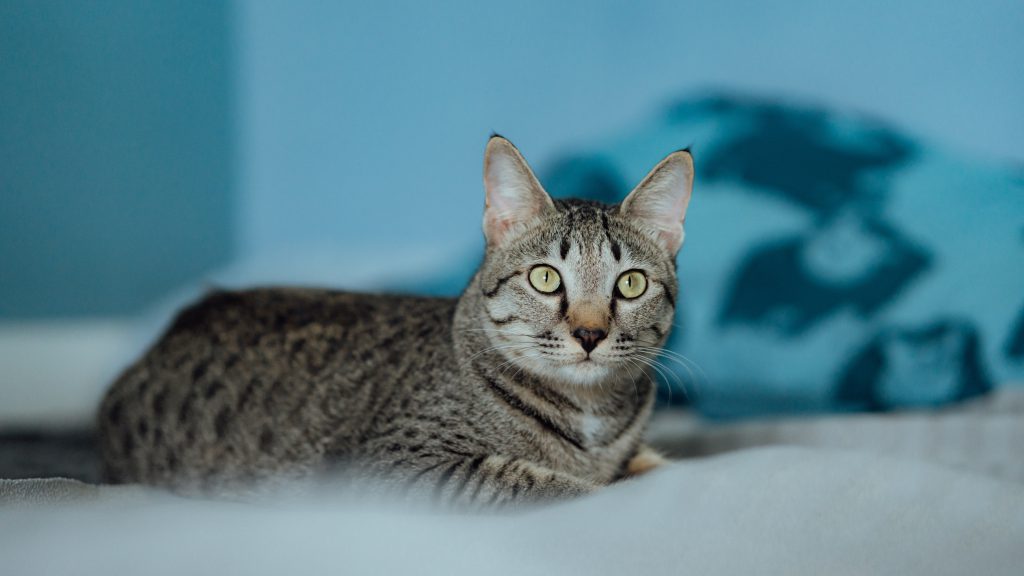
pixel 532 385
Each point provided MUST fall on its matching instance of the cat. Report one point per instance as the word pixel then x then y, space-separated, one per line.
pixel 533 385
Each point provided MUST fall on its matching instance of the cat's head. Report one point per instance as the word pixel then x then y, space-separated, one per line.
pixel 574 290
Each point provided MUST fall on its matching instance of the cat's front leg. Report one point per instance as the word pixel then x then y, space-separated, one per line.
pixel 494 481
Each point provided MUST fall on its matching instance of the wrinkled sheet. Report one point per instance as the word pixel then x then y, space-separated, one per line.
pixel 913 493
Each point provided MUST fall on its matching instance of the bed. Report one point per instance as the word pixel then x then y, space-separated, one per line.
pixel 935 492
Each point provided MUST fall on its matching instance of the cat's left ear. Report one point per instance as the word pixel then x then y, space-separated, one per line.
pixel 515 197
pixel 659 202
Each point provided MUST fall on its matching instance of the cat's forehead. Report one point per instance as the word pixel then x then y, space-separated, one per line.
pixel 582 220
pixel 587 232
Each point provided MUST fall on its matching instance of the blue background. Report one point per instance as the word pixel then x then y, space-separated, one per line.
pixel 117 147
pixel 144 144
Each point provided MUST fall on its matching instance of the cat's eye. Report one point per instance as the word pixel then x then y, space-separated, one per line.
pixel 545 279
pixel 632 284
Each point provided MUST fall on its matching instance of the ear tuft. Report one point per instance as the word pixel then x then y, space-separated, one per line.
pixel 658 204
pixel 514 197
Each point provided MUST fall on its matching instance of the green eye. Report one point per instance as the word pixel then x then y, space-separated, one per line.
pixel 545 279
pixel 632 284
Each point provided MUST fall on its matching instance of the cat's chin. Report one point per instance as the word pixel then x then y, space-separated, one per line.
pixel 584 373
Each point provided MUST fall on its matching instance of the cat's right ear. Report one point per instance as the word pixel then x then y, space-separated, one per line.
pixel 660 201
pixel 515 197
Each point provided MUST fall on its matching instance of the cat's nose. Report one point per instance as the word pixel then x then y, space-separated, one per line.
pixel 588 338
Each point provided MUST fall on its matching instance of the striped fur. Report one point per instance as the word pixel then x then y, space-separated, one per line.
pixel 482 400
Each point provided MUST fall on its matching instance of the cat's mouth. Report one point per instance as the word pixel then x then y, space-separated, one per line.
pixel 579 367
pixel 588 370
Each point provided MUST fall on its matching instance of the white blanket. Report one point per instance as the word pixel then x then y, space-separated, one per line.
pixel 985 435
pixel 768 510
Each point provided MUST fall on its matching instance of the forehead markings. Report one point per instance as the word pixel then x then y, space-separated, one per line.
pixel 616 250
pixel 569 225
pixel 568 274
pixel 587 228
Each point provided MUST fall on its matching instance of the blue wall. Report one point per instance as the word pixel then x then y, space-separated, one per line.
pixel 116 152
pixel 142 144
pixel 363 124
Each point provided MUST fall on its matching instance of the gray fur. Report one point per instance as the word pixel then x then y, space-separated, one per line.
pixel 477 400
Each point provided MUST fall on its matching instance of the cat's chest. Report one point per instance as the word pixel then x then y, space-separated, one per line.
pixel 606 442
pixel 601 431
pixel 592 428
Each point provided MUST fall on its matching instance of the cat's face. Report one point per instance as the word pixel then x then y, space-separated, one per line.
pixel 578 291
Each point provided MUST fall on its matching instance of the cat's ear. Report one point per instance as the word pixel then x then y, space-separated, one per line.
pixel 659 202
pixel 514 196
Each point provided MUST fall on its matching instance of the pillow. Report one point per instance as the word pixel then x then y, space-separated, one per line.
pixel 832 263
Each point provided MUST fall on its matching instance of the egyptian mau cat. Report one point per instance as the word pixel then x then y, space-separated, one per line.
pixel 530 386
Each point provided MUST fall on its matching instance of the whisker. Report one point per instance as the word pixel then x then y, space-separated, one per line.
pixel 508 362
pixel 505 333
pixel 681 381
pixel 660 374
pixel 665 371
pixel 636 391
pixel 515 345
pixel 521 366
pixel 499 330
pixel 686 363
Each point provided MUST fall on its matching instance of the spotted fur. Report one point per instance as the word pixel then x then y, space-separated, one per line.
pixel 482 400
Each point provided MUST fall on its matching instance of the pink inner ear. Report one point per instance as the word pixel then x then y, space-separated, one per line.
pixel 662 198
pixel 503 210
pixel 495 227
pixel 670 240
pixel 514 196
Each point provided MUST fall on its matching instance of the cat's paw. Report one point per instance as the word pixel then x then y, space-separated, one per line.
pixel 644 461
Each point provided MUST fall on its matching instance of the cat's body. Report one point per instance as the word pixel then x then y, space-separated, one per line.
pixel 251 385
pixel 512 392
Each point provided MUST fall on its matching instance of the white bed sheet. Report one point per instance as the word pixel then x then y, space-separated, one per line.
pixel 888 494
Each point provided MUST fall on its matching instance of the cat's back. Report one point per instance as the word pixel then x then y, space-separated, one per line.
pixel 245 383
pixel 289 311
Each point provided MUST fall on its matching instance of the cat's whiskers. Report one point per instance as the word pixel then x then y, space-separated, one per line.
pixel 509 346
pixel 525 346
pixel 515 376
pixel 662 371
pixel 683 361
pixel 505 336
pixel 521 365
pixel 508 362
pixel 686 363
pixel 629 362
pixel 506 331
